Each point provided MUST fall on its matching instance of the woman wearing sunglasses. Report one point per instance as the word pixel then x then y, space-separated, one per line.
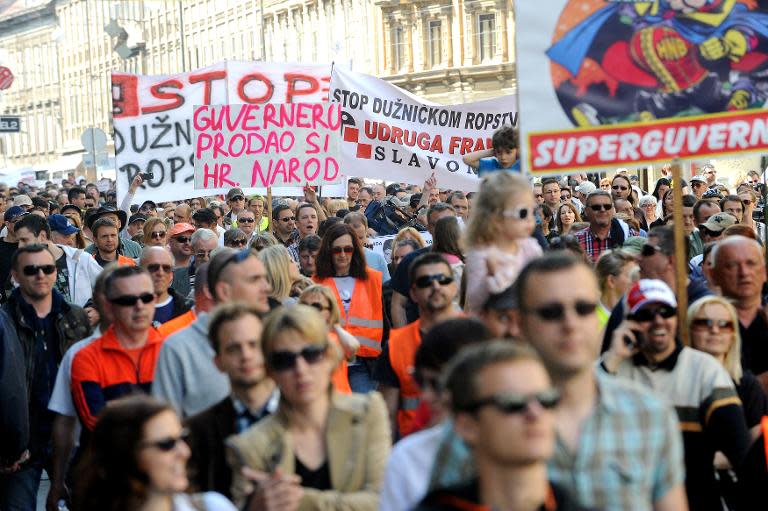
pixel 136 460
pixel 155 233
pixel 321 449
pixel 341 266
pixel 322 299
pixel 498 237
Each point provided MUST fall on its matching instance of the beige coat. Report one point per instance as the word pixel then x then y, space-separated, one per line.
pixel 357 442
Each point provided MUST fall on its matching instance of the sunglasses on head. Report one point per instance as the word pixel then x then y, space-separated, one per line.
pixel 598 207
pixel 34 269
pixel 169 443
pixel 286 360
pixel 426 281
pixel 346 249
pixel 649 314
pixel 722 324
pixel 131 300
pixel 158 235
pixel 556 311
pixel 181 239
pixel 517 213
pixel 511 403
pixel 154 268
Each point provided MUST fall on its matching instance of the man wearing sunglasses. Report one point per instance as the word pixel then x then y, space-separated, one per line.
pixel 284 223
pixel 433 288
pixel 122 361
pixel 749 201
pixel 46 325
pixel 597 413
pixel 644 350
pixel 180 243
pixel 503 406
pixel 236 201
pixel 169 303
pixel 605 232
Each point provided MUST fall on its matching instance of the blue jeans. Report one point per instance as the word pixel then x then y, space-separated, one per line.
pixel 18 491
pixel 360 375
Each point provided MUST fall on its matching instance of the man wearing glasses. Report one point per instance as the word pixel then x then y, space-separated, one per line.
pixel 46 325
pixel 644 350
pixel 596 413
pixel 180 243
pixel 169 303
pixel 605 232
pixel 236 201
pixel 284 221
pixel 122 361
pixel 433 288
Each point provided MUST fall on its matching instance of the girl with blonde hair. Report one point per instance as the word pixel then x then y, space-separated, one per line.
pixel 282 272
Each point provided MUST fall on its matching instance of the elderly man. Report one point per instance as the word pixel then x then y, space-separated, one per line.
pixel 168 302
pixel 605 232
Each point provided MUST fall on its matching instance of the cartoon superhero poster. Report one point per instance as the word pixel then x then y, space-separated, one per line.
pixel 640 81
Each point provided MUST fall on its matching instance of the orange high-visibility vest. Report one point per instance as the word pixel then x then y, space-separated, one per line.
pixel 174 325
pixel 764 428
pixel 340 375
pixel 365 319
pixel 403 344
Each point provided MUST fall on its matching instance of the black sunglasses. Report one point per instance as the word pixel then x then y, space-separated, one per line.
pixel 245 220
pixel 598 207
pixel 286 360
pixel 650 250
pixel 426 281
pixel 34 269
pixel 556 311
pixel 154 268
pixel 517 403
pixel 616 187
pixel 167 444
pixel 240 243
pixel 646 315
pixel 288 219
pixel 181 239
pixel 131 300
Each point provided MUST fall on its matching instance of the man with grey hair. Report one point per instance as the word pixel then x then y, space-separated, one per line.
pixel 605 232
pixel 204 242
pixel 169 304
pixel 710 174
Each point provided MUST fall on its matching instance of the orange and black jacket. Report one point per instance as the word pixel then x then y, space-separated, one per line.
pixel 104 370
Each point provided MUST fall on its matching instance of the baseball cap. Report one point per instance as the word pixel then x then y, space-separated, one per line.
pixel 719 222
pixel 586 187
pixel 234 192
pixel 14 212
pixel 22 200
pixel 149 203
pixel 698 179
pixel 180 228
pixel 646 291
pixel 137 217
pixel 62 224
pixel 633 245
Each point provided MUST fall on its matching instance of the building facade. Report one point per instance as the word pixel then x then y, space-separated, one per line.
pixel 451 51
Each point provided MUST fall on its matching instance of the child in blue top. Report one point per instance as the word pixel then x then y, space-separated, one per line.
pixel 503 155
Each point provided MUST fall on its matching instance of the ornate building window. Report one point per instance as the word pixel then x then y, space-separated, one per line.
pixel 435 44
pixel 398 48
pixel 486 37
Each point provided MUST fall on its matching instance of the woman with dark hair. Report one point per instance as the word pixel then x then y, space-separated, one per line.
pixel 136 460
pixel 341 266
pixel 662 185
pixel 447 242
pixel 566 216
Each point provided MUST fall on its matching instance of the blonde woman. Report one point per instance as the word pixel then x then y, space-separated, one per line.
pixel 498 237
pixel 714 328
pixel 335 205
pixel 155 232
pixel 282 272
pixel 409 233
pixel 321 450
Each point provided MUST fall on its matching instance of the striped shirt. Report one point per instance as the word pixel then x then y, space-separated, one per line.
pixel 629 453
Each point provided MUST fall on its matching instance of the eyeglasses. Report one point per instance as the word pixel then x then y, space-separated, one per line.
pixel 539 196
pixel 426 281
pixel 650 250
pixel 288 219
pixel 346 249
pixel 237 198
pixel 510 403
pixel 598 207
pixel 154 268
pixel 239 242
pixel 617 187
pixel 245 220
pixel 167 444
pixel 131 300
pixel 722 324
pixel 646 315
pixel 286 360
pixel 556 311
pixel 203 254
pixel 181 239
pixel 517 213
pixel 156 235
pixel 319 306
pixel 34 269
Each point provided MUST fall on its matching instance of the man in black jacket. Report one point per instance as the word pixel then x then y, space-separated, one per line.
pixel 235 333
pixel 46 325
pixel 14 413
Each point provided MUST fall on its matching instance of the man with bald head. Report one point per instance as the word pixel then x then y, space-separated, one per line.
pixel 169 304
pixel 738 268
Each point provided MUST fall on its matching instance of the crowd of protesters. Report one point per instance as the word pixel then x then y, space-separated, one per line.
pixel 224 353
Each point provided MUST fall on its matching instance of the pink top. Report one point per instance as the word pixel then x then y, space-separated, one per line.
pixel 480 285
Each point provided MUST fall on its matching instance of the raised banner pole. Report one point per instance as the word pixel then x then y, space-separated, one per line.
pixel 269 210
pixel 681 264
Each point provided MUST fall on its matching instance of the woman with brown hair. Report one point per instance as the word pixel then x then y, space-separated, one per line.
pixel 566 216
pixel 155 232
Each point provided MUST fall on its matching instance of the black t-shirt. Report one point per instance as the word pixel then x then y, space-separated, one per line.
pixel 6 252
pixel 402 284
pixel 319 479
pixel 753 398
pixel 754 349
pixel 383 371
pixel 62 277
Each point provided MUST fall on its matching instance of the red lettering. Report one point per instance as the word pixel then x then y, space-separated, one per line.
pixel 208 79
pixel 397 135
pixel 293 80
pixel 156 90
pixel 270 88
pixel 293 166
pixel 453 144
pixel 479 146
pixel 313 147
pixel 466 146
pixel 125 96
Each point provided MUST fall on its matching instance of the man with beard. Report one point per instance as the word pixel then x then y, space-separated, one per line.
pixel 433 289
pixel 605 232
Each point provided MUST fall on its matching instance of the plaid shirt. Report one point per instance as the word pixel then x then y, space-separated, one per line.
pixel 630 451
pixel 594 246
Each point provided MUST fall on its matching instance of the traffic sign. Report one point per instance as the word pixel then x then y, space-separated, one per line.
pixel 10 124
pixel 6 77
pixel 93 139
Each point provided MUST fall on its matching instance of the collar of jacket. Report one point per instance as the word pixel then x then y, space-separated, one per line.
pixel 23 309
pixel 109 339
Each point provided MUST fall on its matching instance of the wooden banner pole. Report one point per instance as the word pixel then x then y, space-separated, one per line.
pixel 269 210
pixel 681 264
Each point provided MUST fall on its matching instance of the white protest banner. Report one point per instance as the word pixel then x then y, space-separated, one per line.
pixel 153 117
pixel 607 83
pixel 389 133
pixel 266 145
pixel 383 244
